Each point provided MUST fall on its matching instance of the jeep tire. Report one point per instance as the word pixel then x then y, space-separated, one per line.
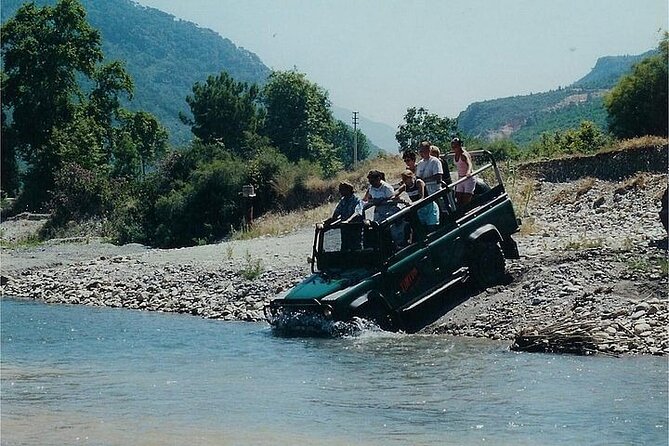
pixel 487 264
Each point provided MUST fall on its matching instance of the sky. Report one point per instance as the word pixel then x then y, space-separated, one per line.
pixel 380 57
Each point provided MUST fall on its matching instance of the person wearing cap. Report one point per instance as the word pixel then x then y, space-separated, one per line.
pixel 463 163
pixel 429 169
pixel 348 210
pixel 349 207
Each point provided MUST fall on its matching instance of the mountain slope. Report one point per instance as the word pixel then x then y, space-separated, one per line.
pixel 164 55
pixel 524 118
pixel 381 135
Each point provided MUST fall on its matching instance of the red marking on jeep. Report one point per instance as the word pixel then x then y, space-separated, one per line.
pixel 409 280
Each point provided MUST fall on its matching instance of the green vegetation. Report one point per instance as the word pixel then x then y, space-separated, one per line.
pixel 252 268
pixel 55 122
pixel 419 125
pixel 637 106
pixel 89 158
pixel 72 145
pixel 523 119
pixel 165 56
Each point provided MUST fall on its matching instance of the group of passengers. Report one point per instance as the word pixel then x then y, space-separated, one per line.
pixel 419 180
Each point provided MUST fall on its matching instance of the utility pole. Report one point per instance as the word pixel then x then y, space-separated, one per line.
pixel 355 140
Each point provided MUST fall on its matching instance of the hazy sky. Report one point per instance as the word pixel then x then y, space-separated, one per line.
pixel 381 56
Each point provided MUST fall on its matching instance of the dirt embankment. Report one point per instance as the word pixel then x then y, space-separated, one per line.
pixel 615 165
pixel 593 263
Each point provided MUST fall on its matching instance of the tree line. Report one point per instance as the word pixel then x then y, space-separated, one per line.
pixel 70 147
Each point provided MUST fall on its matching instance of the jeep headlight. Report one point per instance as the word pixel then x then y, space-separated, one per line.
pixel 327 311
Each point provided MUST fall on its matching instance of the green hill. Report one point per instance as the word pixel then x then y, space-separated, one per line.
pixel 524 118
pixel 164 55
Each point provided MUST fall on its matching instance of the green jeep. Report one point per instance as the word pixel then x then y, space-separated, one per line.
pixel 397 274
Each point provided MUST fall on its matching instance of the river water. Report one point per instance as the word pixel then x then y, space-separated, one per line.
pixel 97 376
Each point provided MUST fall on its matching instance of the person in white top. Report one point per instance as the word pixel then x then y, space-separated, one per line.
pixel 380 194
pixel 463 162
pixel 429 169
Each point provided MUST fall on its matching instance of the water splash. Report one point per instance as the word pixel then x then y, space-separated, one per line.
pixel 308 323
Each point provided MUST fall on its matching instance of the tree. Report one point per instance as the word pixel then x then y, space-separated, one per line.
pixel 637 105
pixel 104 103
pixel 298 117
pixel 147 135
pixel 224 111
pixel 419 125
pixel 43 50
pixel 9 168
pixel 342 138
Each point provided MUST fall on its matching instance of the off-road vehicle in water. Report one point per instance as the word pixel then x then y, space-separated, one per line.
pixel 396 273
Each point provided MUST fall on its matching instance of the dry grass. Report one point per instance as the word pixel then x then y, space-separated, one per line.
pixel 637 143
pixel 529 226
pixel 570 195
pixel 582 244
pixel 584 186
pixel 522 191
pixel 275 224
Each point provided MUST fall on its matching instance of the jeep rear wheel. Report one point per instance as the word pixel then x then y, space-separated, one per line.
pixel 487 264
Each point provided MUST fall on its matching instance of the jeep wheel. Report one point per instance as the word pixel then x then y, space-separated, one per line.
pixel 377 311
pixel 487 264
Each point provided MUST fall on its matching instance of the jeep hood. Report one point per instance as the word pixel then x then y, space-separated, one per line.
pixel 317 286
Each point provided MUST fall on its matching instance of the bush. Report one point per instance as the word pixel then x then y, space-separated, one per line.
pixel 202 208
pixel 588 138
pixel 503 149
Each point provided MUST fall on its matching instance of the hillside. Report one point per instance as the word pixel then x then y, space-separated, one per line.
pixel 381 135
pixel 164 55
pixel 523 118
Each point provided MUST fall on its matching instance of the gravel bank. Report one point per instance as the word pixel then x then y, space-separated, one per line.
pixel 593 261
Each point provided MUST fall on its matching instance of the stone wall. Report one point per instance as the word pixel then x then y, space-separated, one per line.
pixel 610 166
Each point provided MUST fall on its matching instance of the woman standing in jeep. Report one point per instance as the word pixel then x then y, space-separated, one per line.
pixel 463 162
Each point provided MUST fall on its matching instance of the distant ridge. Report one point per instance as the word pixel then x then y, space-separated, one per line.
pixel 523 118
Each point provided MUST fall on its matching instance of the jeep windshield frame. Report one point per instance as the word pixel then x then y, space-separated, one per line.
pixel 345 246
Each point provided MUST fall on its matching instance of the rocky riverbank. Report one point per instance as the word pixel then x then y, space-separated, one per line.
pixel 593 270
pixel 593 264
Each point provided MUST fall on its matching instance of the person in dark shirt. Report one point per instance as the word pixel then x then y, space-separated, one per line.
pixel 349 206
pixel 348 210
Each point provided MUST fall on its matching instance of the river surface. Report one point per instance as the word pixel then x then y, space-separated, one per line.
pixel 97 376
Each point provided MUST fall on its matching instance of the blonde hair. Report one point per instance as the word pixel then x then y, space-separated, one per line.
pixel 434 151
pixel 407 174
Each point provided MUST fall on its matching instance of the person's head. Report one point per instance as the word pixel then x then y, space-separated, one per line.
pixel 456 144
pixel 374 177
pixel 408 177
pixel 345 189
pixel 424 149
pixel 434 151
pixel 409 158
